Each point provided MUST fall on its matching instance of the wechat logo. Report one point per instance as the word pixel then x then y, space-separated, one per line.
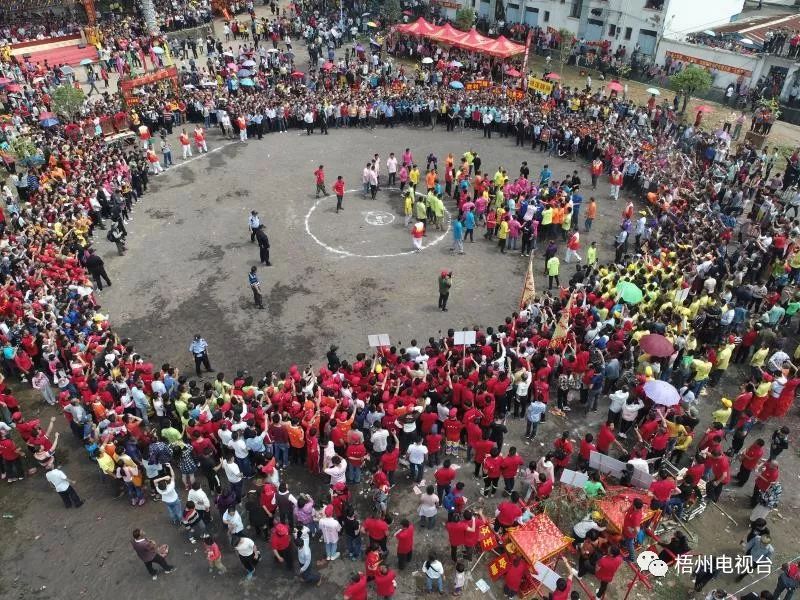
pixel 649 561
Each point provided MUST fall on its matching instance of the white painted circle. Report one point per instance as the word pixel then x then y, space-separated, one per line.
pixel 378 217
pixel 343 252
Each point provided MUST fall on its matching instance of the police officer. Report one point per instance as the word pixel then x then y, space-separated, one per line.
pixel 263 245
pixel 199 349
pixel 255 285
pixel 253 221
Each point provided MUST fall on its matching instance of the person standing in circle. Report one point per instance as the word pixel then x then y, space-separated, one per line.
pixel 199 349
pixel 319 176
pixel 255 285
pixel 338 189
pixel 445 282
pixel 263 245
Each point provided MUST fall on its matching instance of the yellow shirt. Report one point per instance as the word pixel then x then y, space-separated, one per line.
pixel 591 255
pixel 547 216
pixel 502 233
pixel 724 357
pixel 759 357
pixel 702 368
pixel 552 265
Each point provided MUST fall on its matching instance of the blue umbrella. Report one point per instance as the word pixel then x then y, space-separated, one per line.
pixel 244 73
pixel 456 85
pixel 247 82
pixel 49 122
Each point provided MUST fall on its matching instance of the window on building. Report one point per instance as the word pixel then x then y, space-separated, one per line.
pixel 575 9
pixel 612 30
pixel 654 4
pixel 547 16
pixel 628 32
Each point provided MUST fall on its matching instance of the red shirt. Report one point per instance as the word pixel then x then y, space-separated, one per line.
pixel 428 420
pixel 513 578
pixel 742 401
pixel 660 441
pixel 510 465
pixel 444 476
pixel 721 467
pixel 492 466
pixel 662 489
pixel 356 453
pixel 696 471
pixel 8 449
pixel 766 478
pixel 434 442
pixel 376 529
pixel 385 584
pixel 630 526
pixel 559 595
pixel 389 460
pixel 456 532
pixel 606 567
pixel 357 590
pixel 320 175
pixel 279 542
pixel 482 448
pixel 371 562
pixel 508 512
pixel 604 438
pixel 751 456
pixel 338 187
pixel 545 489
pixel 452 429
pixel 586 449
pixel 405 540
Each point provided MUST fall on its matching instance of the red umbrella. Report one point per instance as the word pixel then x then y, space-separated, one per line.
pixel 513 73
pixel 298 74
pixel 656 345
pixel 553 76
pixel 14 87
pixel 46 115
pixel 328 66
pixel 704 108
pixel 615 86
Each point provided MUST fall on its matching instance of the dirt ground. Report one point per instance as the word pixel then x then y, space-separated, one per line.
pixel 186 273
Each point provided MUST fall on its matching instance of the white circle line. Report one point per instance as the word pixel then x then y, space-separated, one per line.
pixel 342 252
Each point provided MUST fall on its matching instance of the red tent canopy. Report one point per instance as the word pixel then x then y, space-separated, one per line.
pixel 448 34
pixel 420 27
pixel 503 48
pixel 473 40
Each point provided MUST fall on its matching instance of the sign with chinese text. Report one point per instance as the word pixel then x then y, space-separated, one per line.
pixel 499 566
pixel 540 85
pixel 709 64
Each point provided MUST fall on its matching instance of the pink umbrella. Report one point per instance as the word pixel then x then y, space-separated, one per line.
pixel 513 73
pixel 328 66
pixel 553 76
pixel 233 67
pixel 615 86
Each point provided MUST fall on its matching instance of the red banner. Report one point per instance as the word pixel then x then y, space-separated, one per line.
pixel 129 86
pixel 477 85
pixel 499 566
pixel 447 4
pixel 707 63
pixel 487 539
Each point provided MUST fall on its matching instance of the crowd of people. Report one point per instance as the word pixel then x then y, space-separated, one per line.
pixel 706 236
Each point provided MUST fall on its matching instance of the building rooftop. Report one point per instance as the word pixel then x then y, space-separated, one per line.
pixel 755 28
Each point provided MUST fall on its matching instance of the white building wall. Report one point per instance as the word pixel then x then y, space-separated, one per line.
pixel 713 55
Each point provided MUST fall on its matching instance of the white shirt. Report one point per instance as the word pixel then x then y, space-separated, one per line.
pixel 417 453
pixel 378 440
pixel 200 499
pixel 245 547
pixel 391 164
pixel 337 472
pixel 58 479
pixel 233 522
pixel 232 471
pixel 239 448
pixel 168 494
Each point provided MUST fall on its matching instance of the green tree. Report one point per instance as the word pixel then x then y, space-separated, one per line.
pixel 690 81
pixel 392 11
pixel 465 18
pixel 23 148
pixel 67 100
